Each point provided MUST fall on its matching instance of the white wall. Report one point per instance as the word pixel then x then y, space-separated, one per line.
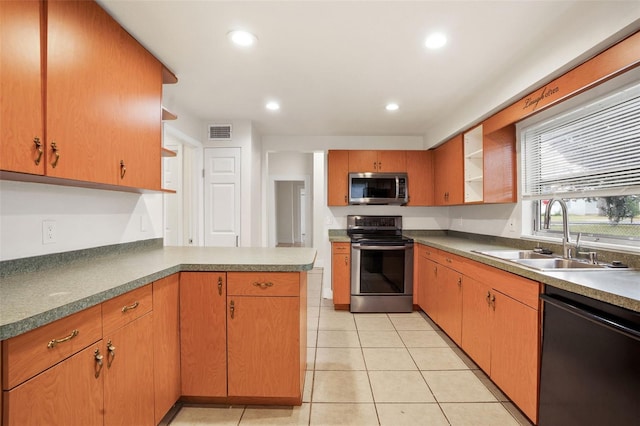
pixel 84 218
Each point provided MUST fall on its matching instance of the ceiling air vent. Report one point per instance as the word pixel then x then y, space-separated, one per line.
pixel 220 132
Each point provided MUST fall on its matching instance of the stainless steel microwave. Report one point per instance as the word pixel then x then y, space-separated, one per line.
pixel 378 188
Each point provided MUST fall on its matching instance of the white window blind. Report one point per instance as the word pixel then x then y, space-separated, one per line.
pixel 591 150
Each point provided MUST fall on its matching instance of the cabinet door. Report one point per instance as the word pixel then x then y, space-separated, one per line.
pixel 66 394
pixel 515 352
pixel 20 87
pixel 500 166
pixel 139 81
pixel 361 161
pixel 392 161
pixel 450 303
pixel 476 322
pixel 263 335
pixel 83 98
pixel 429 288
pixel 338 178
pixel 341 273
pixel 203 333
pixel 128 374
pixel 420 176
pixel 448 172
pixel 166 344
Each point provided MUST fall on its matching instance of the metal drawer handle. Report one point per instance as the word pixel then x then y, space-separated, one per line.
pixel 98 357
pixel 123 169
pixel 263 285
pixel 130 307
pixel 56 152
pixel 232 309
pixel 39 149
pixel 54 342
pixel 220 286
pixel 111 355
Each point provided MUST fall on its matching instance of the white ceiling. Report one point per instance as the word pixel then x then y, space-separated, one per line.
pixel 333 65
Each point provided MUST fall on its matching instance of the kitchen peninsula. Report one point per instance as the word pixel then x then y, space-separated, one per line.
pixel 178 318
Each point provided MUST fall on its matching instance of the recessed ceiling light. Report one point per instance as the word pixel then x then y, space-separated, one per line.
pixel 435 41
pixel 392 106
pixel 272 106
pixel 242 38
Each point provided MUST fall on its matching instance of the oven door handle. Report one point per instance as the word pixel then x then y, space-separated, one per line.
pixel 374 247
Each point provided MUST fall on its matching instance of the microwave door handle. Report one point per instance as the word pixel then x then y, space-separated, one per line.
pixel 397 187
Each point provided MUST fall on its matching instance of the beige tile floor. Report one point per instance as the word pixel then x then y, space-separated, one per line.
pixel 375 369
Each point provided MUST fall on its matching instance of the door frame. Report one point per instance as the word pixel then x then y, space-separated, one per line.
pixel 272 206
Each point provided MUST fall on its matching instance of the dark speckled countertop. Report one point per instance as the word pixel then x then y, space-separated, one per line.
pixel 616 286
pixel 35 296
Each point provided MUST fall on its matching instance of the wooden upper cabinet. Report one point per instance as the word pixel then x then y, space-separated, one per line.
pixel 338 178
pixel 500 176
pixel 420 176
pixel 361 161
pixel 139 147
pixel 103 111
pixel 21 109
pixel 448 172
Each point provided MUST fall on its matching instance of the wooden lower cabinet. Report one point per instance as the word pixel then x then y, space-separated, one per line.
pixel 266 335
pixel 203 333
pixel 449 302
pixel 428 291
pixel 341 274
pixel 166 344
pixel 66 394
pixel 476 322
pixel 128 374
pixel 515 352
pixel 501 332
pixel 492 315
pixel 262 346
pixel 243 335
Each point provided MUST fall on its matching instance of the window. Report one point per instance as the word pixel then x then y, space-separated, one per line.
pixel 588 155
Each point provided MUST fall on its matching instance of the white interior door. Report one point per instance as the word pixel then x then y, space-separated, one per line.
pixel 222 197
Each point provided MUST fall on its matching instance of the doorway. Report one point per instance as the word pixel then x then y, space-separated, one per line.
pixel 290 214
pixel 290 199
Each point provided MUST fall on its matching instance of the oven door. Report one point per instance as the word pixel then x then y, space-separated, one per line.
pixel 382 269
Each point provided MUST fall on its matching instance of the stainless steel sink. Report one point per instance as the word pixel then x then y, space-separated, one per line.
pixel 541 262
pixel 555 263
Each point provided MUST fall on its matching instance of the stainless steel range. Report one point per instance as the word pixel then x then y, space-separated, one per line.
pixel 381 264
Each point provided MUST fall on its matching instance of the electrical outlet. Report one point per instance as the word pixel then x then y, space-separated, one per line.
pixel 512 227
pixel 49 234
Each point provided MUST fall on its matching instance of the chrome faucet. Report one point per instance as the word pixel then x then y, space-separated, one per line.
pixel 566 240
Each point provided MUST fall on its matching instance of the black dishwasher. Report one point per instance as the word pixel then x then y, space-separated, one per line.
pixel 590 367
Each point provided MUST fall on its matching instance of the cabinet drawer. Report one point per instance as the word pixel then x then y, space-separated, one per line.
pixel 263 284
pixel 123 309
pixel 30 353
pixel 341 248
pixel 450 260
pixel 428 252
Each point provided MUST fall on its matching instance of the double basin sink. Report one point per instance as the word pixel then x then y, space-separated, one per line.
pixel 539 261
